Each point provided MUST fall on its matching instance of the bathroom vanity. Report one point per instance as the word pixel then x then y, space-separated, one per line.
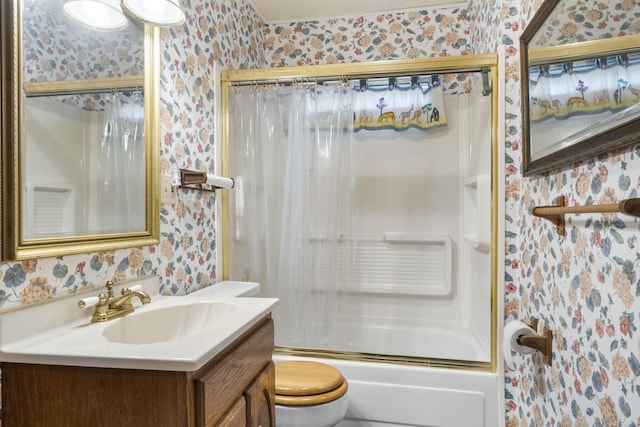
pixel 235 388
pixel 213 369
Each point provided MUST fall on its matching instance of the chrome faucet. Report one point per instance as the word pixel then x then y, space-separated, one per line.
pixel 111 307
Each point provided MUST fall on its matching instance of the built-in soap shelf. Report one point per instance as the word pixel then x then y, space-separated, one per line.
pixel 477 212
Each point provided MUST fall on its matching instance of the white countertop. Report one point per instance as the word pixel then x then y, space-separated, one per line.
pixel 55 334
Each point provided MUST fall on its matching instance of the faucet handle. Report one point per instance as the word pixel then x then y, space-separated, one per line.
pixel 109 289
pixel 134 288
pixel 88 302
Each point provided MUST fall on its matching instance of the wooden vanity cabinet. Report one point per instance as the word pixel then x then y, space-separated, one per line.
pixel 255 408
pixel 245 373
pixel 235 388
pixel 261 398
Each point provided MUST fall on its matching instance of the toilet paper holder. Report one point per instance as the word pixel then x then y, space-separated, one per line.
pixel 541 343
pixel 203 181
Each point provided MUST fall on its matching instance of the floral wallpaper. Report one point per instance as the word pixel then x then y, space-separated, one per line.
pixel 57 48
pixel 401 35
pixel 584 286
pixel 589 20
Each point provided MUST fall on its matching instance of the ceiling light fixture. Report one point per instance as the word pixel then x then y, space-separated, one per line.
pixel 103 15
pixel 161 13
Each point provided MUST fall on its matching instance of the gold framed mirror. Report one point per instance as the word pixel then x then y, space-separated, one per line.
pixel 80 114
pixel 580 83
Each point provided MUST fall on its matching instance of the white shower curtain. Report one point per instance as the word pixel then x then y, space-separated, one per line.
pixel 292 159
pixel 121 166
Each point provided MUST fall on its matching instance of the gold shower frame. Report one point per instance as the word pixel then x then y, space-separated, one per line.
pixel 461 64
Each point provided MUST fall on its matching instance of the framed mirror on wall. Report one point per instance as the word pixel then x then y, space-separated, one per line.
pixel 5 85
pixel 580 82
pixel 81 154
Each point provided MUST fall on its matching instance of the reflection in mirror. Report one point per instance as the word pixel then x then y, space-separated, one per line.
pixel 85 144
pixel 580 84
pixel 56 47
pixel 86 177
pixel 576 21
pixel 83 150
pixel 573 101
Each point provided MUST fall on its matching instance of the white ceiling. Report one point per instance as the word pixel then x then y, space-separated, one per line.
pixel 301 10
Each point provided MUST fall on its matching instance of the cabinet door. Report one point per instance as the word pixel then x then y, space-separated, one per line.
pixel 219 384
pixel 236 416
pixel 260 396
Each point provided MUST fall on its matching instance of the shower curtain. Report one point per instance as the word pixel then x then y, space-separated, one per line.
pixel 292 205
pixel 121 171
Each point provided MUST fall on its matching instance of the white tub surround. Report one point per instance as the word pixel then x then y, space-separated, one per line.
pixel 400 262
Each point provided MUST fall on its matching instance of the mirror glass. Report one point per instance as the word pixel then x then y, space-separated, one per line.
pixel 86 150
pixel 581 82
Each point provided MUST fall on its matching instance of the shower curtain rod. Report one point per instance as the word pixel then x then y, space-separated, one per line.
pixel 84 86
pixel 83 92
pixel 355 77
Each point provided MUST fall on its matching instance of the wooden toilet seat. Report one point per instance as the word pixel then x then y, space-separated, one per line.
pixel 302 383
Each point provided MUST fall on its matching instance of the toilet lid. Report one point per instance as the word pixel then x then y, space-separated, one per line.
pixel 307 383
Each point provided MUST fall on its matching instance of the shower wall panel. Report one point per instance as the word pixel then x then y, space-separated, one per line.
pixel 56 133
pixel 410 183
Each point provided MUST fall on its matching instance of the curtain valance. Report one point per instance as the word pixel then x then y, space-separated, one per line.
pixel 399 103
pixel 589 87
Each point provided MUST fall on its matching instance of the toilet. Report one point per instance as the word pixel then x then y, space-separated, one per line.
pixel 309 394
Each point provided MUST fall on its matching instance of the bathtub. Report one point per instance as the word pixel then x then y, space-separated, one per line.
pixel 386 394
pixel 382 394
pixel 431 342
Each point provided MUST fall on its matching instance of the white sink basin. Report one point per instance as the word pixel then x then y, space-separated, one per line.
pixel 171 333
pixel 171 323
